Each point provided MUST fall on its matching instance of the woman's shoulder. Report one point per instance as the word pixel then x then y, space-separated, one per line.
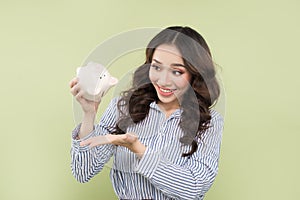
pixel 215 128
pixel 115 106
pixel 215 115
pixel 217 121
pixel 114 101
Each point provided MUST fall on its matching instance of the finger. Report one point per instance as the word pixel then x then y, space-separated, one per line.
pixel 95 141
pixel 96 105
pixel 132 134
pixel 75 89
pixel 85 142
pixel 79 97
pixel 117 139
pixel 131 137
pixel 122 140
pixel 73 82
pixel 103 139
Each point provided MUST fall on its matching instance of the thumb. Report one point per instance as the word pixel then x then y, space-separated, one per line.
pixel 85 142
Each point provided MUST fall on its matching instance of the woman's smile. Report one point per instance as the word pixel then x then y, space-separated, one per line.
pixel 169 75
pixel 165 91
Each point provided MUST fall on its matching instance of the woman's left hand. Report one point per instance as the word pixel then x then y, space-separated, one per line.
pixel 129 140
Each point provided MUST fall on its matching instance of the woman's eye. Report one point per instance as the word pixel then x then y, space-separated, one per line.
pixel 177 73
pixel 156 67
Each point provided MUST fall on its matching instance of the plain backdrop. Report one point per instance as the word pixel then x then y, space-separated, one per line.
pixel 255 43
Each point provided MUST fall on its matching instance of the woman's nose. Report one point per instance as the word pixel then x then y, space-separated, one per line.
pixel 164 79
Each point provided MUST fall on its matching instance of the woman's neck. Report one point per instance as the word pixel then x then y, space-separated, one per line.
pixel 168 108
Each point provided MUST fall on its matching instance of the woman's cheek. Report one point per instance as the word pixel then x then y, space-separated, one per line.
pixel 153 76
pixel 181 83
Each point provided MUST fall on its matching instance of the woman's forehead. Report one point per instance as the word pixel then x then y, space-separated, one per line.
pixel 169 48
pixel 167 54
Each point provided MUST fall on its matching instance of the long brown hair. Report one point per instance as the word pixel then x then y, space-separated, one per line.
pixel 134 103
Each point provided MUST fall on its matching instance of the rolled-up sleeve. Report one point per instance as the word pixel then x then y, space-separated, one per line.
pixel 86 162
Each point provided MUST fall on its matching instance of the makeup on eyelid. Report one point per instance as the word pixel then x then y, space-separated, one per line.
pixel 168 75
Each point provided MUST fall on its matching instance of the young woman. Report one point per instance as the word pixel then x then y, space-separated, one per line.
pixel 163 133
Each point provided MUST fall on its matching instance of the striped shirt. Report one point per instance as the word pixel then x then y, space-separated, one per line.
pixel 162 172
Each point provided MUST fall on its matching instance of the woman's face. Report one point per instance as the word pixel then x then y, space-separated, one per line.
pixel 169 75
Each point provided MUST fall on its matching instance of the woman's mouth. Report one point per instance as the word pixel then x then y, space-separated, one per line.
pixel 165 91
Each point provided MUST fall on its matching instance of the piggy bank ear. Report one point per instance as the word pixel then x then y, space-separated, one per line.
pixel 77 70
pixel 113 81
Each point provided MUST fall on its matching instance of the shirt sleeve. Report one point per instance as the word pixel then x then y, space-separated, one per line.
pixel 194 177
pixel 87 162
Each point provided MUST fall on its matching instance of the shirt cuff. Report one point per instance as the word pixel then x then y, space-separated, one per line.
pixel 76 142
pixel 148 164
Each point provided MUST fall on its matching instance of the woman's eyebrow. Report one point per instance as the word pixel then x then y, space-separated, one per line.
pixel 177 65
pixel 156 61
pixel 173 64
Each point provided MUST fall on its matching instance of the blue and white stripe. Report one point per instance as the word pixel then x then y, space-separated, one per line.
pixel 162 173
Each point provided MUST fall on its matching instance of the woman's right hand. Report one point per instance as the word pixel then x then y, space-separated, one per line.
pixel 87 105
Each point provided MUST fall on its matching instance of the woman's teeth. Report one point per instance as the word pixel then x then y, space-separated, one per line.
pixel 165 90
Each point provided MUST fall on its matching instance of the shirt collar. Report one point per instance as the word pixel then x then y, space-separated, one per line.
pixel 175 114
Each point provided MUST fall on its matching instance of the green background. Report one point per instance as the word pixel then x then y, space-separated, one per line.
pixel 255 42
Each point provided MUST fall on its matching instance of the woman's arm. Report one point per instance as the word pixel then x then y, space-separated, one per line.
pixel 87 125
pixel 89 109
pixel 87 162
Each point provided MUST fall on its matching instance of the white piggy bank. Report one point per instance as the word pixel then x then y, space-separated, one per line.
pixel 95 81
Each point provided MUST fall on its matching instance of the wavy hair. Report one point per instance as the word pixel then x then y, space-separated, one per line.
pixel 202 94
